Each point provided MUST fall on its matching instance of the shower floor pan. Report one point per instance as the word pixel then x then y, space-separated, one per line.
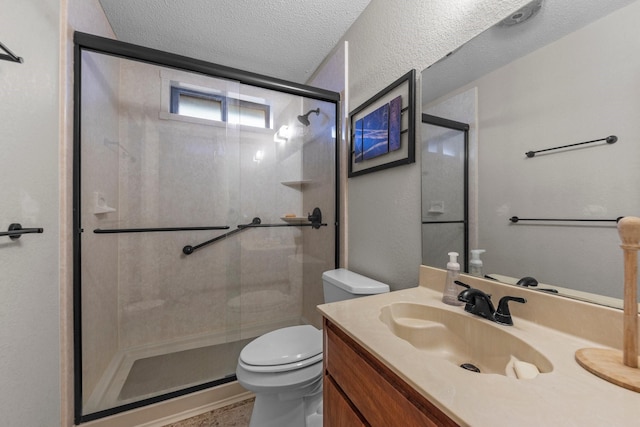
pixel 147 371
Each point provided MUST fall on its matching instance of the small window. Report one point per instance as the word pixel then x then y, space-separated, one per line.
pixel 202 105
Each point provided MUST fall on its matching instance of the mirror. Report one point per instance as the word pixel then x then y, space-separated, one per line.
pixel 569 74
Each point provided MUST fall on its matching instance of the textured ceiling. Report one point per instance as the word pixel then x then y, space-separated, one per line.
pixel 287 39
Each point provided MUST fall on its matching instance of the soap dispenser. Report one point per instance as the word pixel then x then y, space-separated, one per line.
pixel 475 264
pixel 451 290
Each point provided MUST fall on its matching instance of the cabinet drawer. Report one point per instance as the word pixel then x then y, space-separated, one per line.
pixel 383 398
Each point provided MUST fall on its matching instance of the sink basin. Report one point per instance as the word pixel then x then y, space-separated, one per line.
pixel 461 338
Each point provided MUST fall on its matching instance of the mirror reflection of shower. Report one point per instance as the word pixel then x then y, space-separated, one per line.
pixel 304 119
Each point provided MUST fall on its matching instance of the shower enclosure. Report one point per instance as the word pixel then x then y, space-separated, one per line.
pixel 205 205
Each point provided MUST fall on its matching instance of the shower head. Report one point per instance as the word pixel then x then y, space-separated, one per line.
pixel 304 119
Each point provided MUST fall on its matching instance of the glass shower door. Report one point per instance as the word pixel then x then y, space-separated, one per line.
pixel 154 320
pixel 193 236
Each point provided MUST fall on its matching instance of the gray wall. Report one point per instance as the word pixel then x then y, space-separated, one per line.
pixel 389 39
pixel 29 302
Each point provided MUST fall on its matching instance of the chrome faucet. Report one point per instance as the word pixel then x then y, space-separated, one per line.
pixel 480 304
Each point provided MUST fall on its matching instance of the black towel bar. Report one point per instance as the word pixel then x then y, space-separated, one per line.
pixel 15 230
pixel 610 140
pixel 515 219
pixel 149 230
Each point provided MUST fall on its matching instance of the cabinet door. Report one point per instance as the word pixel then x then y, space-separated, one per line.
pixel 383 398
pixel 337 409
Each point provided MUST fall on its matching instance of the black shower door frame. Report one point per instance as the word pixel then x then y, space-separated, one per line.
pixel 93 43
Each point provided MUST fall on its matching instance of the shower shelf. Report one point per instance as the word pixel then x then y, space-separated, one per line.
pixel 294 219
pixel 298 183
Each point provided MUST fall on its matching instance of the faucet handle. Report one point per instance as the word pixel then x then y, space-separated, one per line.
pixel 477 302
pixel 464 285
pixel 503 315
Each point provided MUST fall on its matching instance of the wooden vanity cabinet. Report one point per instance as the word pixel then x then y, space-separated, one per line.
pixel 361 391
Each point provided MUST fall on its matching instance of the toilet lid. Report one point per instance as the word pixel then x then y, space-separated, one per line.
pixel 287 346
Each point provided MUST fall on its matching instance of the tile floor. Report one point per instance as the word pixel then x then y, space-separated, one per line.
pixel 236 415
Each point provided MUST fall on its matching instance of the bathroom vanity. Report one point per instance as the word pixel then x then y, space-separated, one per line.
pixel 381 369
pixel 359 390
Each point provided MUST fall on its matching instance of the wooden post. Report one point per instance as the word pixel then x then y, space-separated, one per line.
pixel 629 231
pixel 615 366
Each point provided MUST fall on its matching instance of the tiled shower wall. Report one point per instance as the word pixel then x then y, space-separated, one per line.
pixel 152 169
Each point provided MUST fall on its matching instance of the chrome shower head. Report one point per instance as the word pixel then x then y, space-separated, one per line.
pixel 304 119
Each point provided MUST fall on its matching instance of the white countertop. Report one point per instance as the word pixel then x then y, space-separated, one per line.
pixel 567 396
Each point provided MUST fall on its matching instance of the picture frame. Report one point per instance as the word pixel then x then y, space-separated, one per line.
pixel 382 130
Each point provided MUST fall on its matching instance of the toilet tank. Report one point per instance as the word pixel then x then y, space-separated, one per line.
pixel 342 284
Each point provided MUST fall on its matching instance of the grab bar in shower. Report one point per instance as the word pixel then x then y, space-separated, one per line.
pixel 610 140
pixel 314 221
pixel 15 230
pixel 149 230
pixel 515 219
pixel 10 56
pixel 322 224
pixel 188 250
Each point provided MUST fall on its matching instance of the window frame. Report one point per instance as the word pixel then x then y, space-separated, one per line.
pixel 176 91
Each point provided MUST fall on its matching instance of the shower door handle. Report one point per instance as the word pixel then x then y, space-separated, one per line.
pixel 315 218
pixel 152 230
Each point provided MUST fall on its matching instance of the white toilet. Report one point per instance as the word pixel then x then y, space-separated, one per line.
pixel 284 367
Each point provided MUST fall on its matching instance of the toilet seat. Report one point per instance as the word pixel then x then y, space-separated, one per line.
pixel 283 350
pixel 281 368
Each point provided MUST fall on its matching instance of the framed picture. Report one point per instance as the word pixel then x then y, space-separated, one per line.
pixel 382 130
